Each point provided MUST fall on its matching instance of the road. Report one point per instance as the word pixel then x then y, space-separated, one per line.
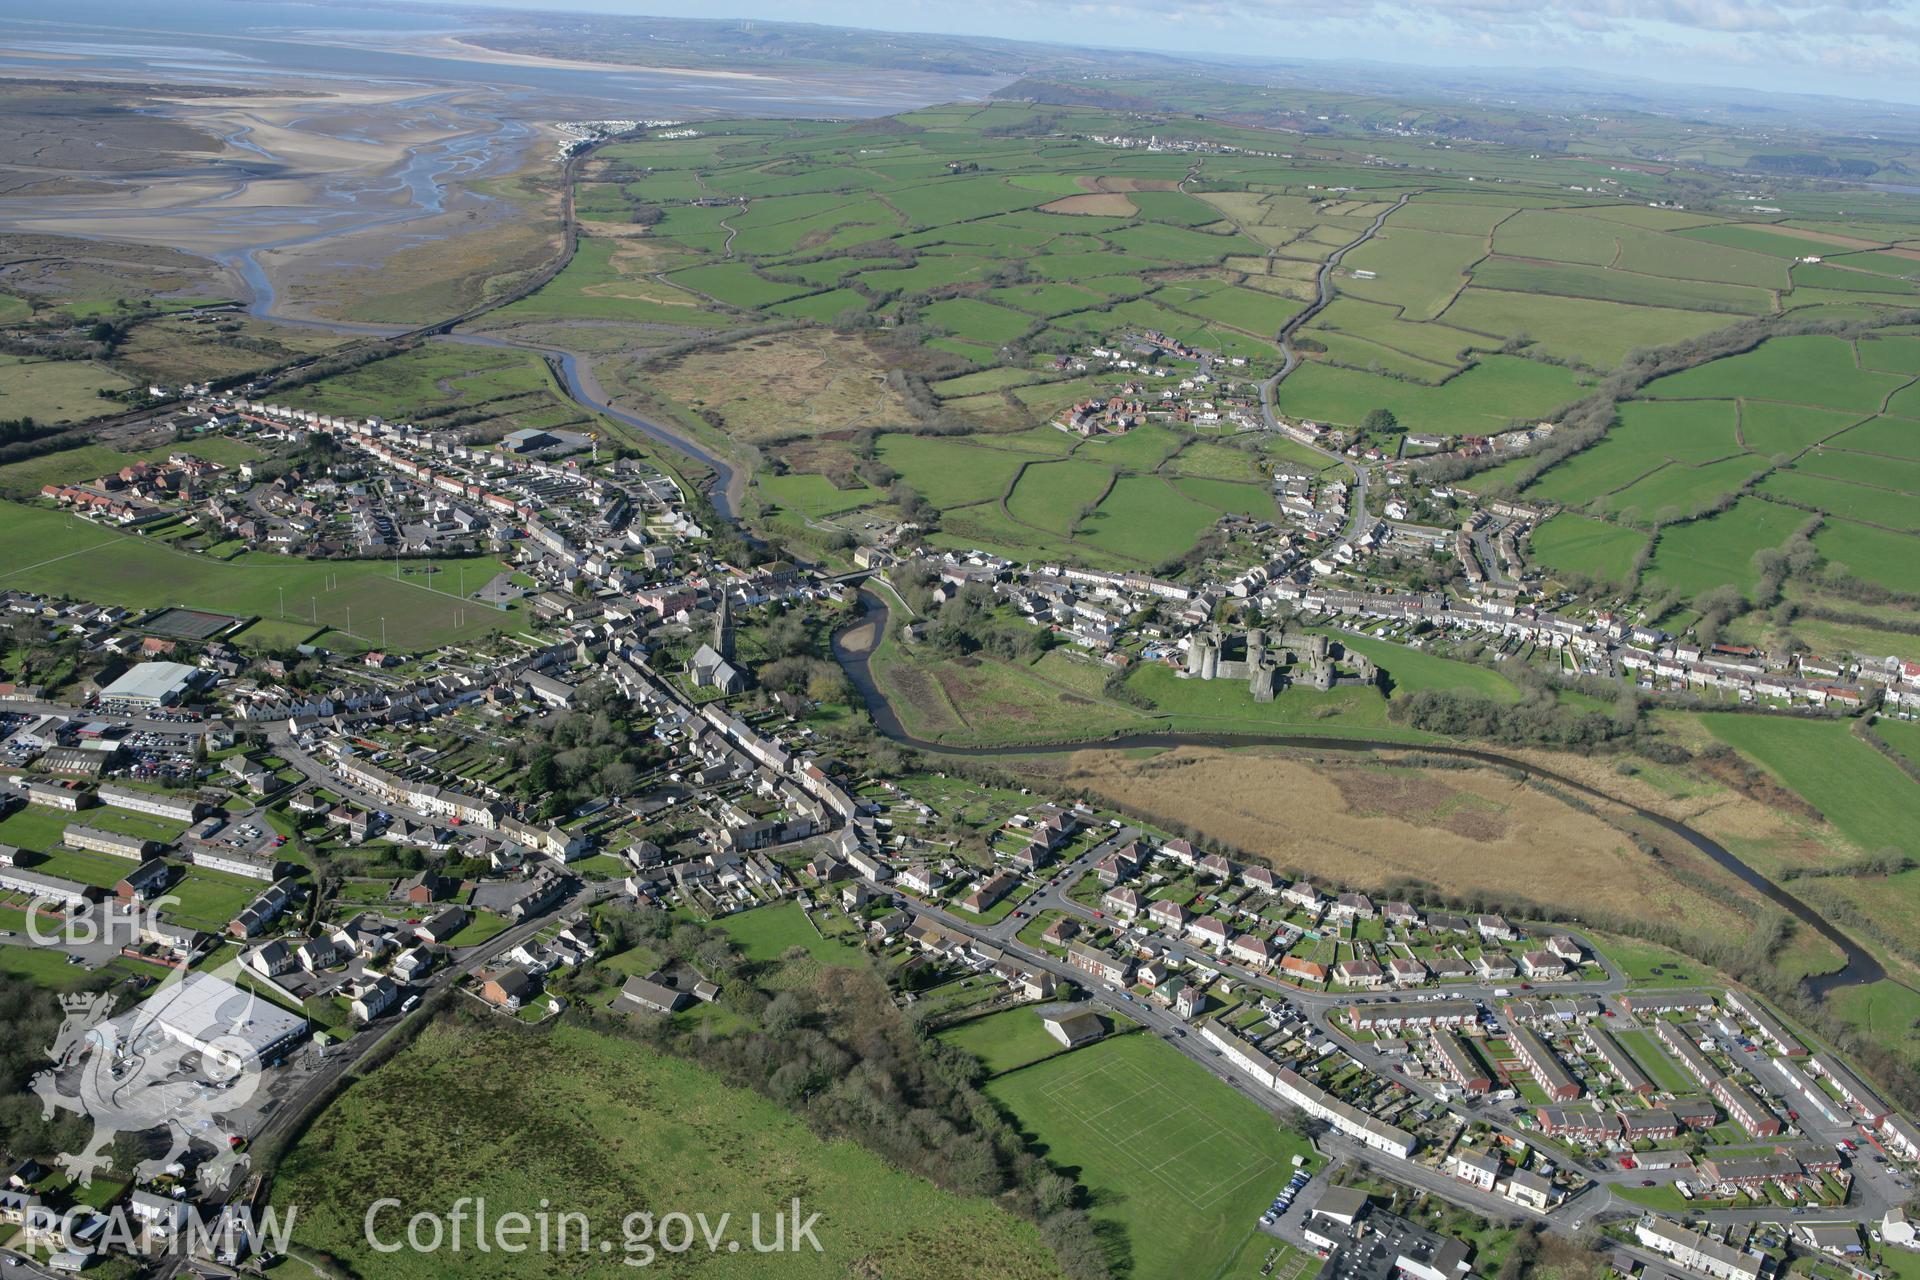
pixel 1874 1188
pixel 1324 294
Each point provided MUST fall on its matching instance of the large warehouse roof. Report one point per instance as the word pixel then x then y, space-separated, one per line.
pixel 202 1009
pixel 151 682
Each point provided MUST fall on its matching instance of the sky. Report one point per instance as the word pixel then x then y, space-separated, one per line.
pixel 1848 48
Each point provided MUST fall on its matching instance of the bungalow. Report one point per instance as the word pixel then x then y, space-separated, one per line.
pixel 1405 972
pixel 1360 973
pixel 1542 965
pixel 991 890
pixel 1840 1239
pixel 650 995
pixel 1303 970
pixel 1566 948
pixel 443 924
pixel 1060 931
pixel 1401 913
pixel 1072 1026
pixel 1493 966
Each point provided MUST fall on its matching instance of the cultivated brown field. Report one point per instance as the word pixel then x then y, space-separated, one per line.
pixel 1104 204
pixel 1109 182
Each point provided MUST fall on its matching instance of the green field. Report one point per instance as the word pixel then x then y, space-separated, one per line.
pixel 1703 554
pixel 764 934
pixel 1415 669
pixel 1814 370
pixel 209 899
pixel 1473 309
pixel 1006 1040
pixel 615 1129
pixel 1595 333
pixel 1663 1070
pixel 1571 543
pixel 1876 555
pixel 1496 393
pixel 65 555
pixel 23 479
pixel 492 390
pixel 1178 1165
pixel 57 390
pixel 1863 794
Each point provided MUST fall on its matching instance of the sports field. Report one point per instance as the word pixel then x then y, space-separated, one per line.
pixel 1178 1165
pixel 64 555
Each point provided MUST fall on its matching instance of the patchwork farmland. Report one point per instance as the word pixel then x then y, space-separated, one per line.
pixel 984 249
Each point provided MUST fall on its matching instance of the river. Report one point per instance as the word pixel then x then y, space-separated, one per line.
pixel 729 482
pixel 96 34
pixel 853 646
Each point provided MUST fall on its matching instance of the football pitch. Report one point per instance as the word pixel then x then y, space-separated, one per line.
pixel 1166 1138
pixel 1175 1163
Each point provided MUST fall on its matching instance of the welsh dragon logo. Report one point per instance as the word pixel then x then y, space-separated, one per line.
pixel 128 1075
